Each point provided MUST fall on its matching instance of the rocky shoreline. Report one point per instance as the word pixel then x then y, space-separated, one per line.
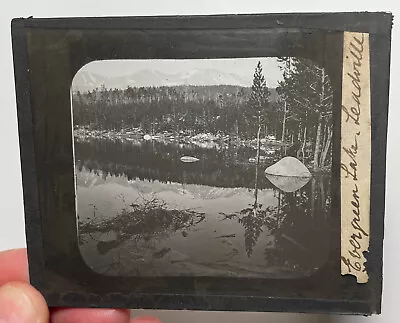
pixel 269 145
pixel 270 148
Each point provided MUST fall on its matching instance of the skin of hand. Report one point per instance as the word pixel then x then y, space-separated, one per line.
pixel 22 303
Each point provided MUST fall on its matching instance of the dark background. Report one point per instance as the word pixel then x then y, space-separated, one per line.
pixel 56 49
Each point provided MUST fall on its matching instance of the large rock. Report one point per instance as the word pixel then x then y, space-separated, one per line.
pixel 189 159
pixel 289 167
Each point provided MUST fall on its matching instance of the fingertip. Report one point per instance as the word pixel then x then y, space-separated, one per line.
pixel 145 319
pixel 13 266
pixel 89 315
pixel 20 302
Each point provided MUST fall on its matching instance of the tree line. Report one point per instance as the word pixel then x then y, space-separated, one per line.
pixel 298 112
pixel 304 108
pixel 306 101
pixel 196 109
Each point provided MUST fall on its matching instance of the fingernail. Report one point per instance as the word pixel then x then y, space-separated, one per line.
pixel 16 306
pixel 145 319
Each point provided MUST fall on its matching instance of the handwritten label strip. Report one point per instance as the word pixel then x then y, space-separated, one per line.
pixel 355 155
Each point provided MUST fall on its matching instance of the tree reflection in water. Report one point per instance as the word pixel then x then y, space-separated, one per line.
pixel 276 231
pixel 299 232
pixel 220 167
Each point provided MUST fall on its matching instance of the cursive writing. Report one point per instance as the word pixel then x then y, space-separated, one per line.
pixel 352 161
pixel 356 51
pixel 351 152
pixel 359 234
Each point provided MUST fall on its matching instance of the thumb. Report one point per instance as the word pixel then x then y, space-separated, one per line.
pixel 21 303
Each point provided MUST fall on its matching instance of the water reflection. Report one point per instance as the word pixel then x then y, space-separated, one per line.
pixel 288 184
pixel 144 212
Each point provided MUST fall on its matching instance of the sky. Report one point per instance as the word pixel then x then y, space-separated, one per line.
pixel 243 67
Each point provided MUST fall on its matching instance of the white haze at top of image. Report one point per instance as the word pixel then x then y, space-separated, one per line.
pixel 137 73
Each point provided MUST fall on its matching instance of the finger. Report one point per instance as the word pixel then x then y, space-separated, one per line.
pixel 13 266
pixel 89 315
pixel 145 319
pixel 20 302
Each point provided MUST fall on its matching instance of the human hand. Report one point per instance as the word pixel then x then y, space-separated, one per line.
pixel 22 303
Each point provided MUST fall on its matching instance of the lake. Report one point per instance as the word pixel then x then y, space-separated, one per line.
pixel 144 212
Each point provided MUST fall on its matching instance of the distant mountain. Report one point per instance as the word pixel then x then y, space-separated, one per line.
pixel 85 81
pixel 90 179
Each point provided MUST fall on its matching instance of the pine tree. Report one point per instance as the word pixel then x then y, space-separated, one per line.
pixel 259 103
pixel 259 97
pixel 286 66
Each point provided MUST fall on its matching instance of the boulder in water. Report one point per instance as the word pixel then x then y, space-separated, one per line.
pixel 254 159
pixel 289 167
pixel 289 174
pixel 189 159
